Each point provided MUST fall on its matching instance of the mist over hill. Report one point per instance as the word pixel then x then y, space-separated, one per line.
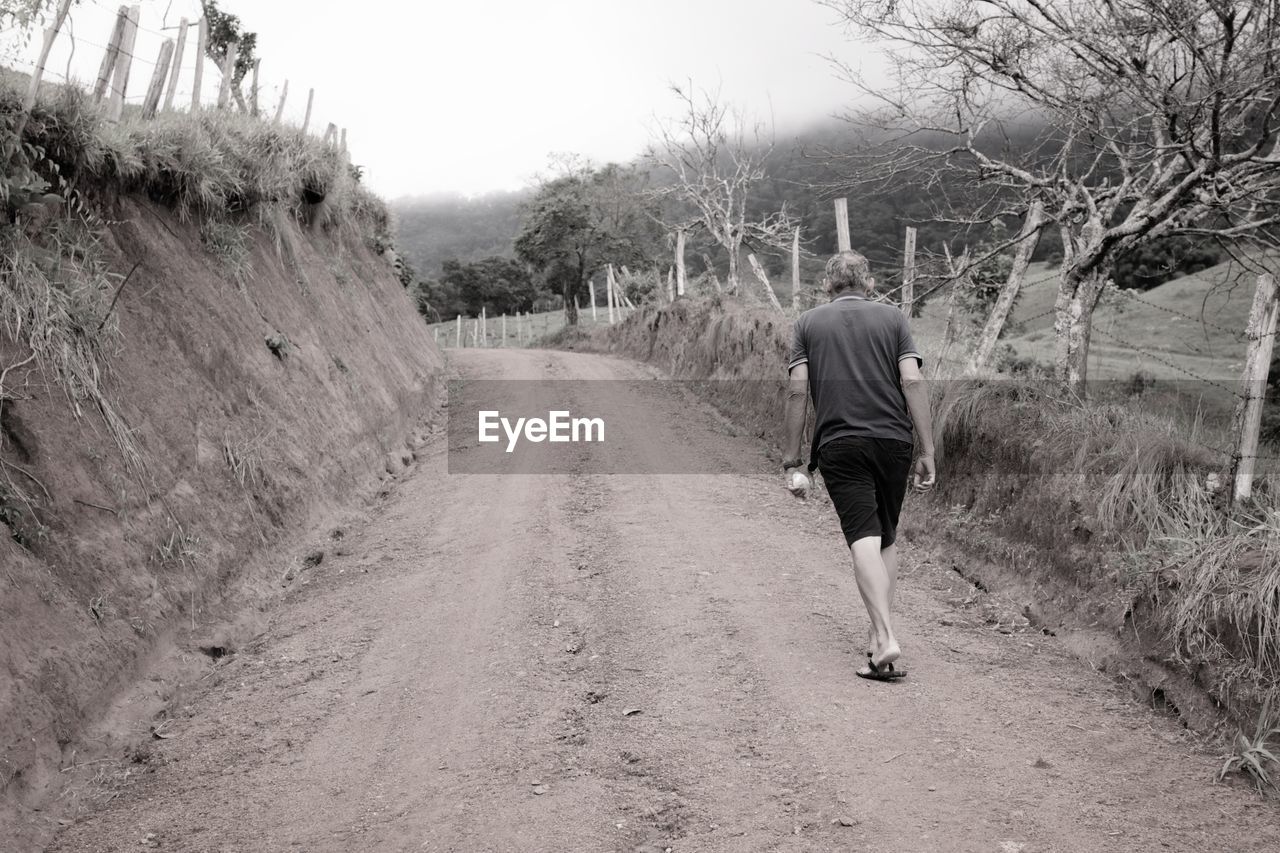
pixel 806 170
pixel 432 229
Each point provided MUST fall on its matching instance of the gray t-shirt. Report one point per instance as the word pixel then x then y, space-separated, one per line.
pixel 853 347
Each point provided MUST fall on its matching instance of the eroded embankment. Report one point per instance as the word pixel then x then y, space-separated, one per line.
pixel 1095 516
pixel 261 382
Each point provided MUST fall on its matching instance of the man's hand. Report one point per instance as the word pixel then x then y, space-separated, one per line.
pixel 797 482
pixel 925 474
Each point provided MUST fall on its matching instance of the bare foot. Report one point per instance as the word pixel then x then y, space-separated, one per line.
pixel 888 653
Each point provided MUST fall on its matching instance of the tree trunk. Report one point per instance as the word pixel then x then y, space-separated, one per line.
pixel 1027 241
pixel 570 303
pixel 732 286
pixel 680 277
pixel 1078 296
pixel 572 287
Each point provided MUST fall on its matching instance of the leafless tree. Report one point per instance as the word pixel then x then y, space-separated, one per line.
pixel 714 159
pixel 1156 118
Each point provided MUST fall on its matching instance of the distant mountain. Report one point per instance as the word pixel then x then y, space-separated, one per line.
pixel 806 170
pixel 435 228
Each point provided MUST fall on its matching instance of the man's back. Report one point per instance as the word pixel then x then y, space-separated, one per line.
pixel 853 347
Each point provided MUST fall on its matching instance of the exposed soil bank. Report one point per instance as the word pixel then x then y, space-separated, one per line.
pixel 258 407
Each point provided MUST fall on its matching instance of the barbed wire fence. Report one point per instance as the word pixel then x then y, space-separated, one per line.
pixel 1247 394
pixel 152 50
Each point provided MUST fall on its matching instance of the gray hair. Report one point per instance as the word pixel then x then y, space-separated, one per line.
pixel 848 270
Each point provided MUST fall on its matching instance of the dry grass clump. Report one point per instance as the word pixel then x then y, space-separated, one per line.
pixel 1134 473
pixel 1219 602
pixel 55 297
pixel 208 164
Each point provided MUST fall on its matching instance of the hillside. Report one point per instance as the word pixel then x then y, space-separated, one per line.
pixel 1190 326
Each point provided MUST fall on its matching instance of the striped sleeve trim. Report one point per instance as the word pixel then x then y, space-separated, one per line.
pixel 796 361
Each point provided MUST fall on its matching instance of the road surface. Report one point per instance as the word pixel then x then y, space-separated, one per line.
pixel 633 662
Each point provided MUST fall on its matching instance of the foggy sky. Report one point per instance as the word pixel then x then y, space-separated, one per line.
pixel 473 97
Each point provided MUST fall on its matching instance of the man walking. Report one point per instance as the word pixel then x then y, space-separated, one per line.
pixel 857 360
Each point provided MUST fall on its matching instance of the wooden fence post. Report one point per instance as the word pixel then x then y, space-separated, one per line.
pixel 591 286
pixel 202 44
pixel 33 89
pixel 680 275
pixel 504 329
pixel 842 225
pixel 253 90
pixel 795 272
pixel 458 339
pixel 177 65
pixel 484 327
pixel 671 284
pixel 1248 416
pixel 152 101
pixel 124 61
pixel 764 279
pixel 328 133
pixel 113 52
pixel 608 283
pixel 621 297
pixel 342 143
pixel 284 93
pixel 306 120
pixel 1027 240
pixel 228 73
pixel 908 292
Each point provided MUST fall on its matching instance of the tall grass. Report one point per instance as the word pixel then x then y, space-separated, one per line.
pixel 1104 484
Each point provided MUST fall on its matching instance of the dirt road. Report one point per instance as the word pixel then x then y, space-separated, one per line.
pixel 640 662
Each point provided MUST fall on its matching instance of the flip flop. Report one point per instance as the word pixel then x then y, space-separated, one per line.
pixel 884 672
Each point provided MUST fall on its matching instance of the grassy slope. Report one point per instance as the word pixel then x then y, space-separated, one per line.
pixel 1176 322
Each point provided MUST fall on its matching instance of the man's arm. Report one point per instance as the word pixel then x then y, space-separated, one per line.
pixel 917 394
pixel 794 411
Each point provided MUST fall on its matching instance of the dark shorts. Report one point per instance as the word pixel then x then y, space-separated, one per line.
pixel 867 480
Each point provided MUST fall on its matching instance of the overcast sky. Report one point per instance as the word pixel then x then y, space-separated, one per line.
pixel 474 96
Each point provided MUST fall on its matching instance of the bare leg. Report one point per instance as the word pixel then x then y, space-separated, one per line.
pixel 890 557
pixel 874 586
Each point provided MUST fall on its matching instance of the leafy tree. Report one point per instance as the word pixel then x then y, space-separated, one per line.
pixel 225 28
pixel 498 285
pixel 577 223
